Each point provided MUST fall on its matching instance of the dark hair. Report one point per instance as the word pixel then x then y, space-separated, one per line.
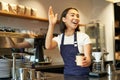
pixel 62 24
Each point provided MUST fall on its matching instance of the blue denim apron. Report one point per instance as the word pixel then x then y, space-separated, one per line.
pixel 69 52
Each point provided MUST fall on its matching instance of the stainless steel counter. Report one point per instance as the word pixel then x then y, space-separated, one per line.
pixel 49 66
pixel 114 76
pixel 56 76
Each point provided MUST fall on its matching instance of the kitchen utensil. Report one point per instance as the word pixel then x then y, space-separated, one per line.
pixel 110 68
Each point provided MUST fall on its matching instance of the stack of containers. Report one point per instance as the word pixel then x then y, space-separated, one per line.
pixel 17 9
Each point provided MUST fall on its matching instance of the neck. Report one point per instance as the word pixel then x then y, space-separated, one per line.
pixel 69 33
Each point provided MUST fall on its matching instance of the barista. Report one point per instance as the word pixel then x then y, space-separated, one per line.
pixel 27 43
pixel 24 48
pixel 70 42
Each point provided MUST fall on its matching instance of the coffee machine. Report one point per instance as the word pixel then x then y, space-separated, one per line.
pixel 98 65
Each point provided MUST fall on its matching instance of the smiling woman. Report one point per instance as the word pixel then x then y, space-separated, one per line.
pixel 69 41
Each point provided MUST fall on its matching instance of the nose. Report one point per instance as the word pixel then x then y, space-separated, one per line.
pixel 76 18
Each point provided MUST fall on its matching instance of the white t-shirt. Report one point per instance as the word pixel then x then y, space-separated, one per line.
pixel 30 40
pixel 82 39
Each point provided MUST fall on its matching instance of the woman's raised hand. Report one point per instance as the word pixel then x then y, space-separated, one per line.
pixel 52 17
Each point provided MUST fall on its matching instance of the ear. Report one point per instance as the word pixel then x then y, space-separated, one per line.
pixel 63 19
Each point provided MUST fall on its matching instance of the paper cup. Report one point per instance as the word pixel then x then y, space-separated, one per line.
pixel 79 59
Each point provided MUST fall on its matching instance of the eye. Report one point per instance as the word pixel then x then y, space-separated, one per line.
pixel 77 16
pixel 72 15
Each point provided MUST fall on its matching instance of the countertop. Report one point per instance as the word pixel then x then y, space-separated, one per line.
pixel 55 76
pixel 49 65
pixel 114 76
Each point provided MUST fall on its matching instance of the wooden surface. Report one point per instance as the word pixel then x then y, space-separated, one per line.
pixel 18 35
pixel 4 13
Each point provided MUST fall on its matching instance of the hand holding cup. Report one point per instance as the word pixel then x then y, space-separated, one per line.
pixel 80 59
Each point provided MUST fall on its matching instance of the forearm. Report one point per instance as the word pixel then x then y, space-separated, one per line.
pixel 49 36
pixel 10 42
pixel 49 43
pixel 23 44
pixel 87 52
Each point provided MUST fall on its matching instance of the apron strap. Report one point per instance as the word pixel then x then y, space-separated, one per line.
pixel 75 39
pixel 62 41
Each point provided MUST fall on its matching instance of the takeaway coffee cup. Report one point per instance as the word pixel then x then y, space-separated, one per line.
pixel 79 59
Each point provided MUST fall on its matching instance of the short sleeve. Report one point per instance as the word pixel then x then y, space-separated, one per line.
pixel 30 40
pixel 87 40
pixel 82 40
pixel 58 39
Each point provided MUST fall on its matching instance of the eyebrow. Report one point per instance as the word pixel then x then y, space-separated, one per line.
pixel 74 13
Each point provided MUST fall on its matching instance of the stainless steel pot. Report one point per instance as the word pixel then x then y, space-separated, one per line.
pixel 110 68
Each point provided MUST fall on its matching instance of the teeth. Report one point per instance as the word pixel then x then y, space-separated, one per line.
pixel 75 21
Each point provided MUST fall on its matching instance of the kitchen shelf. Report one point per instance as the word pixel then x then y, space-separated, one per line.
pixel 18 35
pixel 4 13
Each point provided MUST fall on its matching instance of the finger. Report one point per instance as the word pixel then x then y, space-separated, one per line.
pixel 50 10
pixel 56 16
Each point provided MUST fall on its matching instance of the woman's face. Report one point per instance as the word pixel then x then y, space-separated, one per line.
pixel 72 19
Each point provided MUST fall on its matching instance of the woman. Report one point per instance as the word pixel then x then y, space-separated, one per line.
pixel 70 42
